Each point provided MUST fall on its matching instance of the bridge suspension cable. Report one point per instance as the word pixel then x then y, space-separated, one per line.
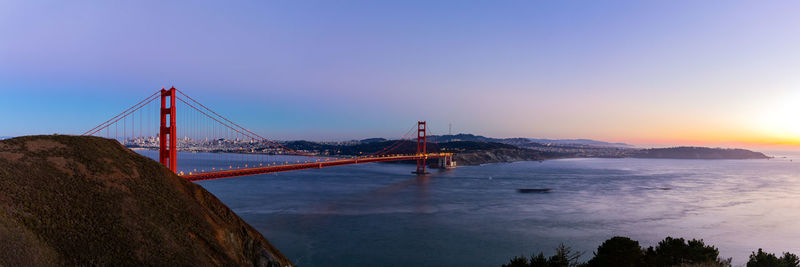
pixel 242 128
pixel 229 149
pixel 404 138
pixel 123 114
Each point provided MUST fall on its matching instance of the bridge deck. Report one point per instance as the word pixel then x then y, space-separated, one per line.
pixel 309 165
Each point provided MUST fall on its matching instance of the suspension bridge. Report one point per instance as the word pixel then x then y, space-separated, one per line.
pixel 214 147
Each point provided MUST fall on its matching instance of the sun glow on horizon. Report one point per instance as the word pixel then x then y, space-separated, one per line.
pixel 780 119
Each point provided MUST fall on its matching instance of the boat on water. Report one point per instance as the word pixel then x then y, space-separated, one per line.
pixel 534 190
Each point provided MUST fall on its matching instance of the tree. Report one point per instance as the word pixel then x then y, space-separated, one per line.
pixel 676 251
pixel 564 257
pixel 790 260
pixel 539 261
pixel 518 261
pixel 764 259
pixel 618 251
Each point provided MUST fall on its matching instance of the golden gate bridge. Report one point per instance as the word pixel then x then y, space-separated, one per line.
pixel 236 151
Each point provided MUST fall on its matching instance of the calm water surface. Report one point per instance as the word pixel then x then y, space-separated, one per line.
pixel 382 215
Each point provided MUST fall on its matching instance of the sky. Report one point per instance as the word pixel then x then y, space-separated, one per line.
pixel 657 73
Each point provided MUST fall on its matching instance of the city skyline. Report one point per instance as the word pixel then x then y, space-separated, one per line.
pixel 678 73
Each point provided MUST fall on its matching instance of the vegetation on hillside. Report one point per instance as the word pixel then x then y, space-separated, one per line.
pixel 467 152
pixel 621 251
pixel 86 201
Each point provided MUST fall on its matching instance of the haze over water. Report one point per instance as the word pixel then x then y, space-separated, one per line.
pixel 381 214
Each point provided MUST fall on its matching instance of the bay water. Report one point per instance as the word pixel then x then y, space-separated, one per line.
pixel 382 215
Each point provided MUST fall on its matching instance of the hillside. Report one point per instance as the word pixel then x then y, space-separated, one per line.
pixel 67 200
pixel 406 147
pixel 467 152
pixel 697 153
pixel 523 142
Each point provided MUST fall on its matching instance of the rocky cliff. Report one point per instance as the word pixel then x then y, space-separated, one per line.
pixel 67 200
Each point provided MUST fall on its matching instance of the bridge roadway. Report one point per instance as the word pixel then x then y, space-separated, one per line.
pixel 310 165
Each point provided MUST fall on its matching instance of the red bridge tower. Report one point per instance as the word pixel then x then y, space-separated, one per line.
pixel 167 153
pixel 422 142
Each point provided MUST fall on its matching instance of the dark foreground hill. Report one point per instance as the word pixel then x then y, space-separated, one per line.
pixel 67 200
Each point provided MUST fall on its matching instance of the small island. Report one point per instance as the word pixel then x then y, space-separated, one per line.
pixel 687 152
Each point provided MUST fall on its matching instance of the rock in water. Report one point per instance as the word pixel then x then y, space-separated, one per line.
pixel 69 200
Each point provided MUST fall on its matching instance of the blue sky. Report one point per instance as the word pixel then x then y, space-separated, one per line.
pixel 631 71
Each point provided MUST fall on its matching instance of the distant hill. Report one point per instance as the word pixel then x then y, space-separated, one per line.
pixel 524 142
pixel 88 201
pixel 697 153
pixel 580 142
pixel 467 152
pixel 475 149
pixel 372 140
pixel 397 147
pixel 461 137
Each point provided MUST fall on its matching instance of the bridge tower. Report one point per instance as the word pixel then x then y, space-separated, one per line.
pixel 167 153
pixel 422 143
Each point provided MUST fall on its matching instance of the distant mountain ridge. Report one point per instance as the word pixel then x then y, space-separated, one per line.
pixel 521 140
pixel 580 142
pixel 373 140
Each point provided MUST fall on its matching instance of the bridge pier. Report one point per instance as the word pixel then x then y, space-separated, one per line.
pixel 445 162
pixel 449 163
